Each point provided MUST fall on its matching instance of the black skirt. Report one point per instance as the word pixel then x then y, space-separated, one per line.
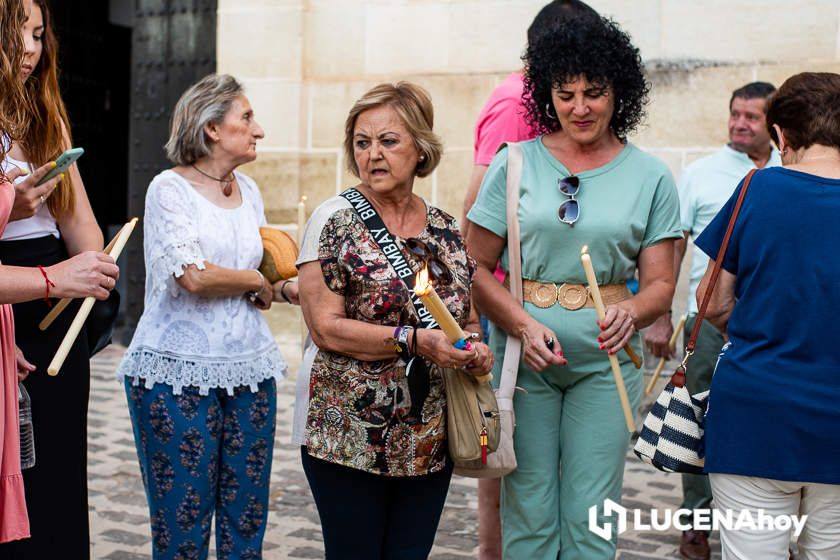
pixel 56 487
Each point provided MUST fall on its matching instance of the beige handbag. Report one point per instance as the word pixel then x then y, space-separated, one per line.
pixel 472 418
pixel 503 460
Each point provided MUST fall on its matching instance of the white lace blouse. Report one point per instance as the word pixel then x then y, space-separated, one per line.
pixel 187 340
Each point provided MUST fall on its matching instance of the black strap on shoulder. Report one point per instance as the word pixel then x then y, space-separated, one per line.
pixel 416 370
pixel 389 247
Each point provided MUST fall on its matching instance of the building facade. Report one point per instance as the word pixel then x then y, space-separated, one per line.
pixel 304 62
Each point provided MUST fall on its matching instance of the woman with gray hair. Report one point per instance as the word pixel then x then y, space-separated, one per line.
pixel 200 371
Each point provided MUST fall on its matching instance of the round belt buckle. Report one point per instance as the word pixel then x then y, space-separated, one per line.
pixel 572 296
pixel 544 296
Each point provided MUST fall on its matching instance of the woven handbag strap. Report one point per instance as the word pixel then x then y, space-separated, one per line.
pixel 701 312
pixel 513 346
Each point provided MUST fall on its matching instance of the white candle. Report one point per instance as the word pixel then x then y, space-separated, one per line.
pixel 424 289
pixel 301 225
pixel 301 219
pixel 64 302
pixel 671 344
pixel 427 294
pixel 84 310
pixel 599 307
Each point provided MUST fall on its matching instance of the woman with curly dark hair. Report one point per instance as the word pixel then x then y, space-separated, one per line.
pixel 582 183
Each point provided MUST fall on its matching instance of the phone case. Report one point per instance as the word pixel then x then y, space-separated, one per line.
pixel 62 163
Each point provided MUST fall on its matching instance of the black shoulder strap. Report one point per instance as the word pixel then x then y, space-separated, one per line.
pixel 392 251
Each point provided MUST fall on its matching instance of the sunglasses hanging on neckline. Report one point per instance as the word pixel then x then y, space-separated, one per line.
pixel 438 271
pixel 569 210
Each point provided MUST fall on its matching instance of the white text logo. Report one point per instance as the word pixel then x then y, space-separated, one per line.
pixel 687 519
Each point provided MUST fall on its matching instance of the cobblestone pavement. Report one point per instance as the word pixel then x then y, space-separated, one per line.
pixel 119 518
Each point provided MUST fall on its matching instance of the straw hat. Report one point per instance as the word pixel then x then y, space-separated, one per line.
pixel 279 255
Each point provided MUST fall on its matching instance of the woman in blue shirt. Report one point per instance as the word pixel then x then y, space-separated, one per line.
pixel 773 424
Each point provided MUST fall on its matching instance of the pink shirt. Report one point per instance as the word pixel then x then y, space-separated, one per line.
pixel 503 119
pixel 14 523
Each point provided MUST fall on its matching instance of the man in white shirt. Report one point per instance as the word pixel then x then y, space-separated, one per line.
pixel 704 188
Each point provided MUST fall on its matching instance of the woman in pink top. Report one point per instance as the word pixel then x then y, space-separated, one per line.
pixel 87 274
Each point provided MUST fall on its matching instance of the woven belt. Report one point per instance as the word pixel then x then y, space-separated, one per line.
pixel 570 296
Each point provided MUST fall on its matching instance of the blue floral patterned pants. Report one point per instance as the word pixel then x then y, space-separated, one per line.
pixel 200 455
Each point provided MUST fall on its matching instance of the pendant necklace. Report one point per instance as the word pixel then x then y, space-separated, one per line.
pixel 227 183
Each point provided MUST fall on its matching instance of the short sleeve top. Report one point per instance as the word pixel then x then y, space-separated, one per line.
pixel 704 188
pixel 358 414
pixel 502 119
pixel 189 340
pixel 41 224
pixel 625 206
pixel 773 404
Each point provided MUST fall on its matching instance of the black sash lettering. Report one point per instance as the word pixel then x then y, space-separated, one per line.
pixel 391 250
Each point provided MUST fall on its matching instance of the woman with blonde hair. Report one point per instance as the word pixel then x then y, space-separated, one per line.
pixel 87 274
pixel 45 229
pixel 374 446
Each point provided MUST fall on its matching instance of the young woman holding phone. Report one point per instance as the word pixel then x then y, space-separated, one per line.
pixel 48 224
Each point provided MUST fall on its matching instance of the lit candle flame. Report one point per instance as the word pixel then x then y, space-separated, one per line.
pixel 424 289
pixel 422 285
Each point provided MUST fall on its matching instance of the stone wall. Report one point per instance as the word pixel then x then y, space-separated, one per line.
pixel 304 62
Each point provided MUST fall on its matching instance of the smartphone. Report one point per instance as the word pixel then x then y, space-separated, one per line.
pixel 62 163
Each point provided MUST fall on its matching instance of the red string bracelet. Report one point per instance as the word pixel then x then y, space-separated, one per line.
pixel 49 285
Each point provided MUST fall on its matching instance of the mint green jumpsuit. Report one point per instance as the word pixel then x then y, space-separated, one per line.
pixel 571 438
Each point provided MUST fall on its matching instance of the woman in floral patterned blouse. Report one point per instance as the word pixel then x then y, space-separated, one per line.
pixel 378 466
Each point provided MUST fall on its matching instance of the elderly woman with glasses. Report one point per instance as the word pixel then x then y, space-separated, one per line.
pixel 582 183
pixel 374 444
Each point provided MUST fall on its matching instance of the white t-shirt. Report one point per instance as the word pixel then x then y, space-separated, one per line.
pixel 308 253
pixel 41 224
pixel 704 188
pixel 188 340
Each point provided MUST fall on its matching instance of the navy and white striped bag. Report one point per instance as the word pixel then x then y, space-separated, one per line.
pixel 672 435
